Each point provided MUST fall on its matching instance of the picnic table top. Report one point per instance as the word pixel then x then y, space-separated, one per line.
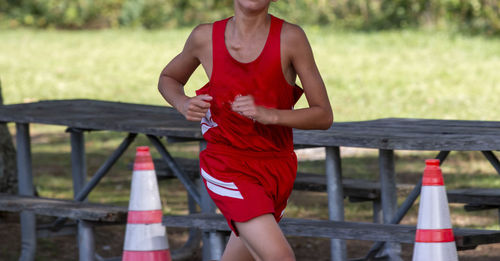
pixel 389 133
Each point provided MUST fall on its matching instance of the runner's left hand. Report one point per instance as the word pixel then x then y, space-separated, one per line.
pixel 245 105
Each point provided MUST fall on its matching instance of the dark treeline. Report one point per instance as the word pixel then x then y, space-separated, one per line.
pixel 472 16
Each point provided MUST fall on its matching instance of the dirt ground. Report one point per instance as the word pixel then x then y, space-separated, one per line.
pixel 109 243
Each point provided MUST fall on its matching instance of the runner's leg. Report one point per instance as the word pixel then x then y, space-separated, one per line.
pixel 264 239
pixel 236 250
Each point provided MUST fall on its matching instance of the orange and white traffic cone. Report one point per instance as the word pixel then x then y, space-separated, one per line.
pixel 145 237
pixel 434 239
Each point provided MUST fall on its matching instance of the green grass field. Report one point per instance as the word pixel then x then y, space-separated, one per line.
pixel 368 75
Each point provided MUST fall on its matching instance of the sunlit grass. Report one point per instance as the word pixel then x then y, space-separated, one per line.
pixel 368 75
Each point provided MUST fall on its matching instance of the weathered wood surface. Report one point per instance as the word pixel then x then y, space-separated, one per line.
pixel 63 208
pixel 191 167
pixel 476 196
pixel 465 238
pixel 391 133
pixel 353 188
pixel 407 134
pixel 103 115
pixel 357 188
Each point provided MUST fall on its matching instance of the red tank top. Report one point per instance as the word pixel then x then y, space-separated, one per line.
pixel 263 79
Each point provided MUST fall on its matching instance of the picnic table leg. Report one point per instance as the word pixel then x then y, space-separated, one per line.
pixel 496 164
pixel 79 171
pixel 213 242
pixel 389 197
pixel 193 241
pixel 25 187
pixel 493 160
pixel 169 160
pixel 335 198
pixel 377 211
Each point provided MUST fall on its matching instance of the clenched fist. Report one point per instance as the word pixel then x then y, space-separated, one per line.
pixel 195 108
pixel 245 105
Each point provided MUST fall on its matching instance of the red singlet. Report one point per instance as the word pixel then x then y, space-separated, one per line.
pixel 263 79
pixel 248 167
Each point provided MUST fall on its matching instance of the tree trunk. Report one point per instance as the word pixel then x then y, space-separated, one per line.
pixel 8 169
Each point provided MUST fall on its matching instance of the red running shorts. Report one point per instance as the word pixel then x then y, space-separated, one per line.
pixel 246 184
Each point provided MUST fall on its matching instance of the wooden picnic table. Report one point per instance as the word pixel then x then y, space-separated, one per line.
pixel 386 135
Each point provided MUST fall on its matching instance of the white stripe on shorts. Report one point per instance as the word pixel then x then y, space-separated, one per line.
pixel 219 187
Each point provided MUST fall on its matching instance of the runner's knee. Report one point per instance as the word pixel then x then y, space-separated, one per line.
pixel 285 256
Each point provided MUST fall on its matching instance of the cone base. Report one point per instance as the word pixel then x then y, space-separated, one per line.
pixel 160 255
pixel 145 237
pixel 435 251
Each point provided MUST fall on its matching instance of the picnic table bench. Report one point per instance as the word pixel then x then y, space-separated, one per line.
pixel 386 135
pixel 103 213
pixel 64 208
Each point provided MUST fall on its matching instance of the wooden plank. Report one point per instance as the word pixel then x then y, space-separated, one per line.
pixel 410 134
pixel 478 196
pixel 102 115
pixel 302 227
pixel 478 207
pixel 428 124
pixel 359 189
pixel 465 238
pixel 191 167
pixel 434 122
pixel 416 127
pixel 385 141
pixel 389 134
pixel 63 208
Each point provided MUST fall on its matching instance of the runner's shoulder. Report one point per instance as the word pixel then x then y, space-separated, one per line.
pixel 292 33
pixel 202 34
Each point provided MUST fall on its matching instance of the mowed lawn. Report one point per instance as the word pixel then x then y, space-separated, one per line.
pixel 368 75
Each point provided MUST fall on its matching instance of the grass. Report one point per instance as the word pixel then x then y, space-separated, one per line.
pixel 417 74
pixel 368 75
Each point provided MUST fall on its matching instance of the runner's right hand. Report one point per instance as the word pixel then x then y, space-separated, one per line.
pixel 195 108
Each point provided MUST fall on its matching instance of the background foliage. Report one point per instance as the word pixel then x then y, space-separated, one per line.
pixel 474 16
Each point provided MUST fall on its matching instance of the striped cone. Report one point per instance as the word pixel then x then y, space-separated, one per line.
pixel 434 239
pixel 145 237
